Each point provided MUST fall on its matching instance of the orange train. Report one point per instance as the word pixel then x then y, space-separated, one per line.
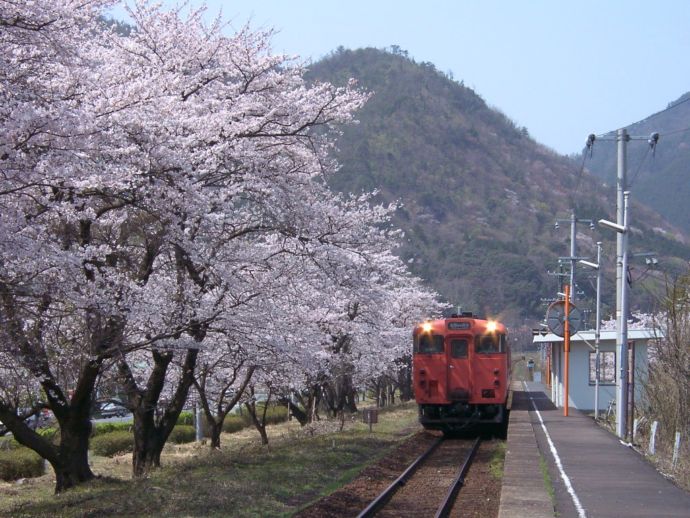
pixel 461 373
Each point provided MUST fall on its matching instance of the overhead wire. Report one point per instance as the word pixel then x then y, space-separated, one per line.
pixel 639 167
pixel 667 109
pixel 578 179
pixel 674 132
pixel 654 115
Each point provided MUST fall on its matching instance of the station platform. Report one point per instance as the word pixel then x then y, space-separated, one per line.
pixel 591 473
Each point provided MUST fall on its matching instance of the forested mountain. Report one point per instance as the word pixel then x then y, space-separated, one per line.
pixel 479 196
pixel 659 178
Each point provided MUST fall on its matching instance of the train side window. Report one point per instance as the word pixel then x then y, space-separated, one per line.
pixel 458 348
pixel 426 344
pixel 493 343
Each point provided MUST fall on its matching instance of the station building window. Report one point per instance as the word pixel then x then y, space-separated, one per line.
pixel 607 368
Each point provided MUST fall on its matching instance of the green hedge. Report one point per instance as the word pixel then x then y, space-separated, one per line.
pixel 235 423
pixel 101 428
pixel 8 443
pixel 52 433
pixel 186 417
pixel 20 462
pixel 275 414
pixel 182 433
pixel 109 444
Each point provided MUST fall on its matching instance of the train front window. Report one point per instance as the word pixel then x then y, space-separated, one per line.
pixel 491 343
pixel 428 344
pixel 458 348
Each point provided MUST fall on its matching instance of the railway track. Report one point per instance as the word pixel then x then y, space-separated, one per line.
pixel 430 485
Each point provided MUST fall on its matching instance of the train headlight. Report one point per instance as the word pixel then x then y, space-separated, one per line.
pixel 491 326
pixel 426 327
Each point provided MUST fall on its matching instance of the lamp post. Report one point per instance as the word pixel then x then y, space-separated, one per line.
pixel 597 329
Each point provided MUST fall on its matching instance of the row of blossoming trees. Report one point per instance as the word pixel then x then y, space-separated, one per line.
pixel 165 224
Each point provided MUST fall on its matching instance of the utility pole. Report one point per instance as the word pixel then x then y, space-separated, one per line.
pixel 622 226
pixel 621 286
pixel 573 233
pixel 597 336
pixel 573 247
pixel 621 318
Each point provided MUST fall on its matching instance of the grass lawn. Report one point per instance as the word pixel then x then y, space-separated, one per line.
pixel 243 479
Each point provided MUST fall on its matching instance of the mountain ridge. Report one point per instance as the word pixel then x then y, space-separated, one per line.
pixel 479 195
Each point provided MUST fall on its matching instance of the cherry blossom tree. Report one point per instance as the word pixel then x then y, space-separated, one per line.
pixel 53 331
pixel 125 160
pixel 161 190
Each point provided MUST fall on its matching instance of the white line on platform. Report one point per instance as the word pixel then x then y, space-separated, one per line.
pixel 566 480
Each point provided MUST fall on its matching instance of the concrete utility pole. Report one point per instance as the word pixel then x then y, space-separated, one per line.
pixel 573 248
pixel 622 226
pixel 597 336
pixel 621 286
pixel 573 233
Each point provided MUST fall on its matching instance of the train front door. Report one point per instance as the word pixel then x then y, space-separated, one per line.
pixel 459 378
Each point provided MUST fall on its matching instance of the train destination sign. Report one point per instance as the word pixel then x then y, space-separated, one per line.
pixel 459 325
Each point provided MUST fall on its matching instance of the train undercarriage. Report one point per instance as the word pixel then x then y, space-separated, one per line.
pixel 464 417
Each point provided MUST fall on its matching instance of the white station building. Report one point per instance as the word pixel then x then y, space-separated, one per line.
pixel 582 372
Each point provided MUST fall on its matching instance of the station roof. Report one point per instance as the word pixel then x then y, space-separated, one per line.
pixel 588 336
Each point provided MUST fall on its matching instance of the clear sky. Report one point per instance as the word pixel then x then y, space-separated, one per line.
pixel 561 68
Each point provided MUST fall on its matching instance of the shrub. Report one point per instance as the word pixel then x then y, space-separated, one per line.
pixel 101 428
pixel 235 423
pixel 111 443
pixel 276 414
pixel 182 433
pixel 8 443
pixel 186 418
pixel 51 433
pixel 20 462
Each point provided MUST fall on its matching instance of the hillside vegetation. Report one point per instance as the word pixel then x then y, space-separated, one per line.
pixel 479 196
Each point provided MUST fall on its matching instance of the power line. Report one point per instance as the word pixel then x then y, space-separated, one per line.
pixel 674 132
pixel 639 167
pixel 667 109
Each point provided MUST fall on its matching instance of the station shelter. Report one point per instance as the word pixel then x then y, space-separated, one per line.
pixel 582 366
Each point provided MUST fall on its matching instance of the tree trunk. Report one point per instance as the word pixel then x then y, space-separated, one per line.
pixel 148 445
pixel 224 407
pixel 351 401
pixel 391 393
pixel 69 460
pixel 297 413
pixel 215 430
pixel 405 383
pixel 151 434
pixel 259 424
pixel 148 442
pixel 73 467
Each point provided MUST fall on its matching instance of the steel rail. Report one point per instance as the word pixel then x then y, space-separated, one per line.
pixel 386 495
pixel 447 505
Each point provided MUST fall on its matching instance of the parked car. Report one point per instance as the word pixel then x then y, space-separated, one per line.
pixel 111 409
